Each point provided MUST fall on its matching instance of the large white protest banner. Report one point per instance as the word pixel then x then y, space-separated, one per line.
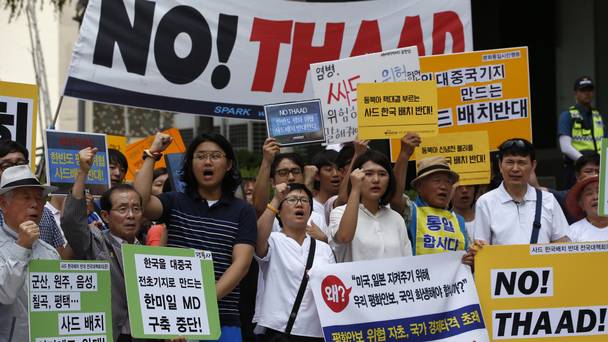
pixel 422 298
pixel 335 83
pixel 229 58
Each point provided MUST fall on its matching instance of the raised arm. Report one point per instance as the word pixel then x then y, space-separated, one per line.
pixel 153 208
pixel 360 146
pixel 266 221
pixel 348 223
pixel 260 190
pixel 409 142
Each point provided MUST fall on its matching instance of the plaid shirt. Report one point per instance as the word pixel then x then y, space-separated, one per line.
pixel 49 231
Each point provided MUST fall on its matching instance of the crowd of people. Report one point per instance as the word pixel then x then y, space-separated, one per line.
pixel 343 206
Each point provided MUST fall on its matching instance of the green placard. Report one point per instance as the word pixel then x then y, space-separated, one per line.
pixel 170 292
pixel 69 299
pixel 603 206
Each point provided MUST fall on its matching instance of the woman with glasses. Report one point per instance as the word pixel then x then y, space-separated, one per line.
pixel 282 257
pixel 206 216
pixel 366 227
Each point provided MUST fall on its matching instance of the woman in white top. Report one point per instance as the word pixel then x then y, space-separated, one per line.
pixel 581 203
pixel 282 258
pixel 366 227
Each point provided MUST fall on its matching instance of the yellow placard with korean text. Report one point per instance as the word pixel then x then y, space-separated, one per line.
pixel 544 292
pixel 117 142
pixel 391 109
pixel 481 90
pixel 467 153
pixel 19 115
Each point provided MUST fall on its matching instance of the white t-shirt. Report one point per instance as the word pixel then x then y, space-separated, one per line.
pixel 282 270
pixel 470 226
pixel 318 207
pixel 584 231
pixel 379 236
pixel 501 221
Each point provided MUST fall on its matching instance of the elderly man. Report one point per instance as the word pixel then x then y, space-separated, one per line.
pixel 582 204
pixel 21 200
pixel 121 209
pixel 432 228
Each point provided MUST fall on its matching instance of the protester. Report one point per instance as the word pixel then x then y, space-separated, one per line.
pixel 22 202
pixel 327 180
pixel 366 228
pixel 118 166
pixel 282 257
pixel 159 177
pixel 463 204
pixel 248 186
pixel 582 203
pixel 581 127
pixel 121 209
pixel 206 216
pixel 506 214
pixel 13 153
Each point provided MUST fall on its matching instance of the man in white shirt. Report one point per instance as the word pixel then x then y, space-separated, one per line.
pixel 505 215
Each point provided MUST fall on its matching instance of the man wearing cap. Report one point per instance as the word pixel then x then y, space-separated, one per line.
pixel 582 203
pixel 515 212
pixel 21 200
pixel 431 227
pixel 581 127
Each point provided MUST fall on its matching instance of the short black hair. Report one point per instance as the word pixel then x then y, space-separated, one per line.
pixel 105 202
pixel 324 158
pixel 232 178
pixel 382 160
pixel 294 157
pixel 587 157
pixel 117 158
pixel 516 147
pixel 10 146
pixel 159 172
pixel 295 187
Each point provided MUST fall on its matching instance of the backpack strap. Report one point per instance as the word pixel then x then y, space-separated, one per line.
pixel 300 296
pixel 536 224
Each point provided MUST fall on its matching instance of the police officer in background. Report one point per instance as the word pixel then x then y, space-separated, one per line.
pixel 581 127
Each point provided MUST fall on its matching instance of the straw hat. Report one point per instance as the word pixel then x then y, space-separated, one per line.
pixel 572 206
pixel 430 165
pixel 21 176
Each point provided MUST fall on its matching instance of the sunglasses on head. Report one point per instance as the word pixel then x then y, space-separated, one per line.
pixel 513 143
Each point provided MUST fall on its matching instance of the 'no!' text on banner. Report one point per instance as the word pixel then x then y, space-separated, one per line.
pixel 423 298
pixel 18 115
pixel 63 165
pixel 467 153
pixel 542 292
pixel 170 292
pixel 229 58
pixel 390 110
pixel 70 301
pixel 481 90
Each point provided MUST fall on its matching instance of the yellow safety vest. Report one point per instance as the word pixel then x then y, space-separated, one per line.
pixel 582 138
pixel 437 231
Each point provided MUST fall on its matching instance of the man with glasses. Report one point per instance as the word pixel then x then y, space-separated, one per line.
pixel 21 199
pixel 509 214
pixel 13 153
pixel 121 209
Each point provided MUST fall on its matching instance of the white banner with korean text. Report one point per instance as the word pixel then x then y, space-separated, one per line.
pixel 421 298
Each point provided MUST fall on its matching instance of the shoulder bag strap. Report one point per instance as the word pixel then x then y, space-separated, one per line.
pixel 536 224
pixel 296 304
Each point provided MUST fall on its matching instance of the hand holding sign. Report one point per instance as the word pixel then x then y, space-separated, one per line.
pixel 161 142
pixel 270 149
pixel 28 232
pixel 86 157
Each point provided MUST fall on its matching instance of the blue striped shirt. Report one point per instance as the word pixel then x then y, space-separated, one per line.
pixel 191 223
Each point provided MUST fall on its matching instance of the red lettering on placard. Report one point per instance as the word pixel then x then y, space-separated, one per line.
pixel 411 34
pixel 303 53
pixel 271 34
pixel 368 39
pixel 444 23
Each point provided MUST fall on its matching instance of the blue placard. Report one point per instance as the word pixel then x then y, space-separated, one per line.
pixel 293 123
pixel 174 163
pixel 62 160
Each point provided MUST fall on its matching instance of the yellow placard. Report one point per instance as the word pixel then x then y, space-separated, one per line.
pixel 135 151
pixel 542 292
pixel 481 90
pixel 391 109
pixel 467 153
pixel 117 142
pixel 19 113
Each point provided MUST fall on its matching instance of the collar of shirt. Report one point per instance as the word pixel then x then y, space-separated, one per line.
pixel 52 208
pixel 224 199
pixel 10 231
pixel 504 196
pixel 122 241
